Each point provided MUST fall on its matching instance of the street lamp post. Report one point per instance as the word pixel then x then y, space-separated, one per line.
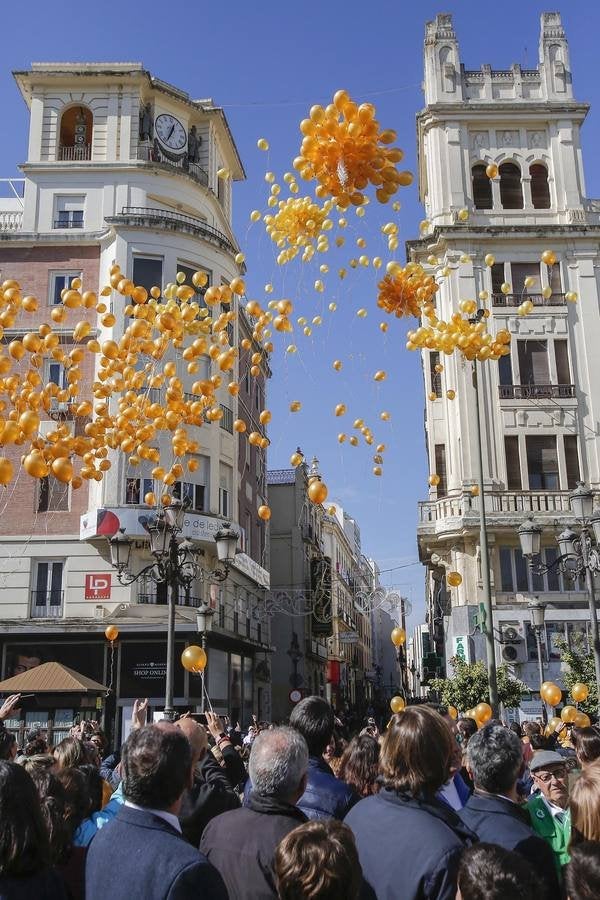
pixel 579 555
pixel 204 618
pixel 175 565
pixel 538 615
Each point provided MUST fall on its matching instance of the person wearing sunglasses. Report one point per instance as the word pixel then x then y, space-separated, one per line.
pixel 548 806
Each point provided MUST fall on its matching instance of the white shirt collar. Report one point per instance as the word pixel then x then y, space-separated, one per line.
pixel 168 817
pixel 555 811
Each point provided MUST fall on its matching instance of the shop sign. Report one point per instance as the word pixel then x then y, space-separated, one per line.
pixel 97 586
pixel 461 648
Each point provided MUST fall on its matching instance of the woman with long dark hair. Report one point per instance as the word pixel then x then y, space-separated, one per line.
pixel 359 767
pixel 25 859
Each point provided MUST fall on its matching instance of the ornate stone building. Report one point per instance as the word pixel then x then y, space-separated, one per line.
pixel 540 405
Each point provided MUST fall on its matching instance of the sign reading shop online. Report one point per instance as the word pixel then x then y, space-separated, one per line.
pixel 106 523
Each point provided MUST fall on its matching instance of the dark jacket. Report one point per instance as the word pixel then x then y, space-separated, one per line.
pixel 498 820
pixel 139 856
pixel 325 797
pixel 210 795
pixel 45 885
pixel 241 844
pixel 233 765
pixel 427 835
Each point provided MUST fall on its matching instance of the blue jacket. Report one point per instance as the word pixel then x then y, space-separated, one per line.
pixel 427 836
pixel 139 856
pixel 88 828
pixel 325 797
pixel 498 820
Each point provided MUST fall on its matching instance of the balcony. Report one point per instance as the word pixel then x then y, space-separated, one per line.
pixel 11 221
pixel 147 217
pixel 46 604
pixel 151 598
pixel 155 155
pixel 536 299
pixel 68 223
pixel 227 421
pixel 75 153
pixel 503 509
pixel 537 391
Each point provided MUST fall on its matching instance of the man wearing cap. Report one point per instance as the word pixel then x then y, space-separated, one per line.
pixel 548 808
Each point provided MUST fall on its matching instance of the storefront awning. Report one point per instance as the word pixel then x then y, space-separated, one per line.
pixel 51 678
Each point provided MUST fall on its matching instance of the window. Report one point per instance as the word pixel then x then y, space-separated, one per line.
pixel 482 187
pixel 515 574
pixel 189 271
pixel 58 281
pixel 194 493
pixel 533 362
pixel 511 192
pixel 68 211
pixel 225 482
pixel 542 463
pixel 435 377
pixel 571 461
pixel 47 593
pixel 53 495
pixel 497 277
pixel 561 355
pixel 440 468
pixel 505 370
pixel 136 489
pixel 540 189
pixel 76 126
pixel 198 491
pixel 147 271
pixel 513 463
pixel 519 272
pixel 554 279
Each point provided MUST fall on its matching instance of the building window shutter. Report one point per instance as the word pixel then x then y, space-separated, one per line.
pixel 513 463
pixel 440 468
pixel 572 461
pixel 563 370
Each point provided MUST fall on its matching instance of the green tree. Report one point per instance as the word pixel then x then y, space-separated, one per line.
pixel 580 668
pixel 469 685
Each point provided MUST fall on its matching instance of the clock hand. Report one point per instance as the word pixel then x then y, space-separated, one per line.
pixel 170 133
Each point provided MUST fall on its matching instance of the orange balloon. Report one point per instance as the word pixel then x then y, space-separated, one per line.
pixel 398 637
pixel 579 692
pixel 568 714
pixel 111 633
pixel 317 491
pixel 483 712
pixel 264 513
pixel 397 704
pixel 193 659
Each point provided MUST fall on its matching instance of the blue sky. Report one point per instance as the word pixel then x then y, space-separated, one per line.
pixel 266 63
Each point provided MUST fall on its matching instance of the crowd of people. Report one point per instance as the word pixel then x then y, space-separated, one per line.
pixel 431 807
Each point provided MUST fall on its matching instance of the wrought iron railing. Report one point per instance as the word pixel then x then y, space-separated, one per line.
pixel 155 155
pixel 226 422
pixel 536 391
pixel 174 220
pixel 536 299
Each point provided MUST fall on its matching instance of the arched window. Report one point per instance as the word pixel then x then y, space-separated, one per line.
pixel 511 192
pixel 76 133
pixel 540 189
pixel 482 187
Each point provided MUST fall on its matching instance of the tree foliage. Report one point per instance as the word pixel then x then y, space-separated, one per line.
pixel 469 685
pixel 580 668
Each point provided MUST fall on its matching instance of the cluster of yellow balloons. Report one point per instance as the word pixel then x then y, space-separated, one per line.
pixel 193 659
pixel 471 338
pixel 344 150
pixel 299 223
pixel 406 289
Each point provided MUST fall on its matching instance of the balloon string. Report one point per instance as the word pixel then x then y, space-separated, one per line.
pixel 205 692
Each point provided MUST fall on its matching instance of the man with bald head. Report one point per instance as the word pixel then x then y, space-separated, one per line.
pixel 241 844
pixel 210 792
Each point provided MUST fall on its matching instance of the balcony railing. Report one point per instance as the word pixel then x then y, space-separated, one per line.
pixel 68 223
pixel 150 597
pixel 155 155
pixel 536 391
pixel 227 421
pixel 141 215
pixel 46 604
pixel 498 503
pixel 76 152
pixel 11 221
pixel 536 299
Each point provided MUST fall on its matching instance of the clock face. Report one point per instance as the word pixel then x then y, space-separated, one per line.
pixel 170 132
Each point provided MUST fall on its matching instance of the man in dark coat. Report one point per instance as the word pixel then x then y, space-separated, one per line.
pixel 241 843
pixel 141 853
pixel 495 761
pixel 325 797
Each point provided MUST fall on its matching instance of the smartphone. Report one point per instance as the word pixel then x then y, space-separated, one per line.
pixel 199 717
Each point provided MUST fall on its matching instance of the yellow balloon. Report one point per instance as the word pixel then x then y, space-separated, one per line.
pixel 397 704
pixel 582 720
pixel 398 637
pixel 317 491
pixel 579 692
pixel 6 470
pixel 193 659
pixel 453 712
pixel 264 513
pixel 434 480
pixel 568 714
pixel 550 693
pixel 554 722
pixel 483 712
pixel 454 579
pixel 111 633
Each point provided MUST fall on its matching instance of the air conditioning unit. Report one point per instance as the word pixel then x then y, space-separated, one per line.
pixel 510 632
pixel 514 653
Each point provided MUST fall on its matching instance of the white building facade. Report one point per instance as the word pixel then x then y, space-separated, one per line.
pixel 122 168
pixel 540 405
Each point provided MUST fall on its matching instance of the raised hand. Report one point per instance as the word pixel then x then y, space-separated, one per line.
pixel 138 716
pixel 9 706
